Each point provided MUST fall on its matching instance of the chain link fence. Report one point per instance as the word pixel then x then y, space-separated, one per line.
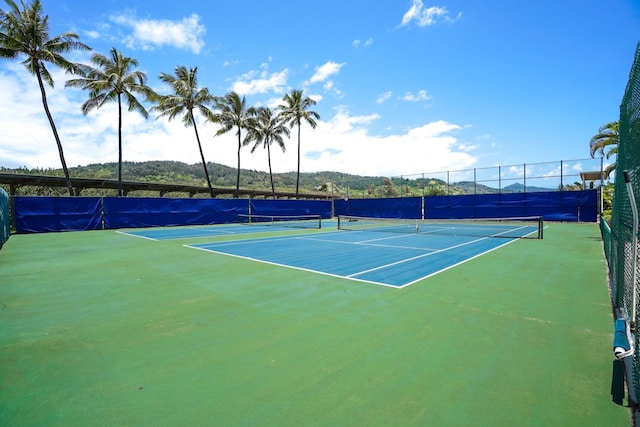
pixel 620 236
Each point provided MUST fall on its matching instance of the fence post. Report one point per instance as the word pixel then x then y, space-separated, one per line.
pixel 422 203
pixel 475 190
pixel 601 210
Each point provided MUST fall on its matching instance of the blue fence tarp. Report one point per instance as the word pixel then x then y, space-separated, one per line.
pixel 404 207
pixel 291 207
pixel 44 214
pixel 588 204
pixel 125 212
pixel 570 206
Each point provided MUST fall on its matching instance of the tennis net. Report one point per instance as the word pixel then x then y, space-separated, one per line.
pixel 295 221
pixel 512 227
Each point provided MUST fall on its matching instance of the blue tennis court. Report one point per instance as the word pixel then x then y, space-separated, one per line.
pixel 172 233
pixel 389 259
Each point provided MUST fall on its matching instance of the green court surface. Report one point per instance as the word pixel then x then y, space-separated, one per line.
pixel 102 328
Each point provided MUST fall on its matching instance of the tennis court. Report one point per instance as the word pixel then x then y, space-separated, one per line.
pixel 383 252
pixel 103 328
pixel 264 223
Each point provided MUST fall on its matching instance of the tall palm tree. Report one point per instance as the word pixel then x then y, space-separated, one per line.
pixel 113 78
pixel 295 111
pixel 233 113
pixel 185 98
pixel 24 31
pixel 268 128
pixel 607 136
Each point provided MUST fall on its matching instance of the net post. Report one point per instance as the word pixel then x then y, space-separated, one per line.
pixel 541 227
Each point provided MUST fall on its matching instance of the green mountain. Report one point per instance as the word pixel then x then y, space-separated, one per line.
pixel 332 183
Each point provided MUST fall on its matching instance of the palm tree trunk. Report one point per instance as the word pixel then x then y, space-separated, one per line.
pixel 238 176
pixel 119 147
pixel 55 133
pixel 298 174
pixel 273 189
pixel 204 163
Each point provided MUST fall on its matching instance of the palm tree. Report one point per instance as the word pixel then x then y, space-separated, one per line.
pixel 233 114
pixel 295 112
pixel 607 136
pixel 267 129
pixel 185 98
pixel 25 31
pixel 113 78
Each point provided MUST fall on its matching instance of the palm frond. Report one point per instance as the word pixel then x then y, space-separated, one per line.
pixel 607 135
pixel 24 31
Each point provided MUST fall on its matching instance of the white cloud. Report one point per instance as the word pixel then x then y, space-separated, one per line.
pixel 513 172
pixel 359 43
pixel 383 97
pixel 148 34
pixel 330 87
pixel 422 95
pixel 92 34
pixel 425 17
pixel 316 97
pixel 325 71
pixel 261 82
pixel 228 63
pixel 341 141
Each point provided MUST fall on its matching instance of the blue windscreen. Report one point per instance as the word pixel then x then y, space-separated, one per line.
pixel 125 212
pixel 570 206
pixel 402 207
pixel 291 207
pixel 43 214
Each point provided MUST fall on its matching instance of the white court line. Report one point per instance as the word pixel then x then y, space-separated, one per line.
pixel 204 231
pixel 360 243
pixel 456 264
pixel 136 235
pixel 294 267
pixel 418 257
pixel 363 243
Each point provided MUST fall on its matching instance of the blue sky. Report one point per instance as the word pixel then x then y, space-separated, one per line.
pixel 402 86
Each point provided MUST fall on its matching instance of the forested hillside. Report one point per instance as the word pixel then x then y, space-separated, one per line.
pixel 333 183
pixel 171 172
